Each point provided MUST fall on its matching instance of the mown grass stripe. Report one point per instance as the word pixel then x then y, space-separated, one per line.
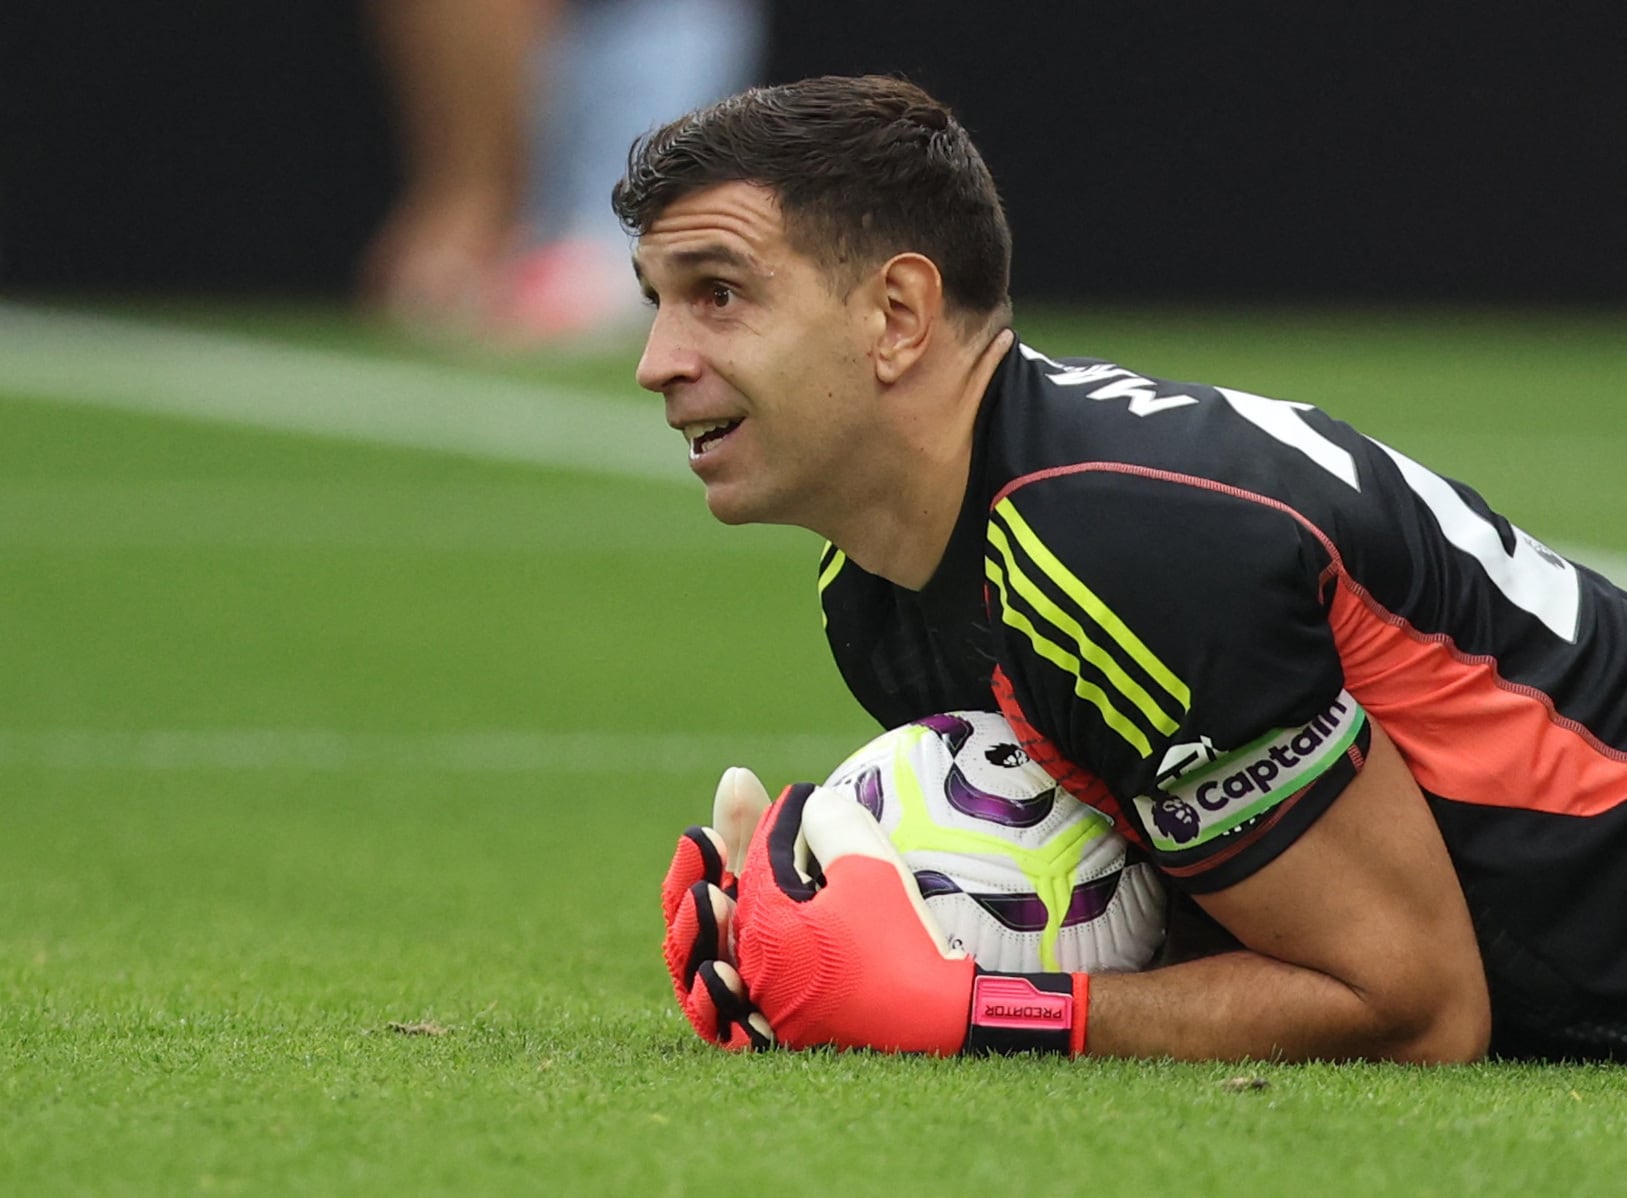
pixel 326 750
pixel 102 361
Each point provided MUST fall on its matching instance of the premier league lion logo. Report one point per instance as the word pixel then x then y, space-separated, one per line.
pixel 1176 819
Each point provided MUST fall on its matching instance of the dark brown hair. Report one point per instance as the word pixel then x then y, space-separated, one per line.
pixel 863 168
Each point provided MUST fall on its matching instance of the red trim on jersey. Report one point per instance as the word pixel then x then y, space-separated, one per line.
pixel 1467 733
pixel 1237 844
pixel 1171 476
pixel 1075 779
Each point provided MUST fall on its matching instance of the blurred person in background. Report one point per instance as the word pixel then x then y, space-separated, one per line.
pixel 514 116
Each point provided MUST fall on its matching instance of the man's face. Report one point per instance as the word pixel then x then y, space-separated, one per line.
pixel 764 369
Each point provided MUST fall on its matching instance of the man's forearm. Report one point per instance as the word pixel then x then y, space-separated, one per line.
pixel 1244 1005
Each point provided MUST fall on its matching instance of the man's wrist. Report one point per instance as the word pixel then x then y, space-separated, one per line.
pixel 1028 1012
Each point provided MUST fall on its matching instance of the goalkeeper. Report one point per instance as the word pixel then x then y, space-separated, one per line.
pixel 1374 730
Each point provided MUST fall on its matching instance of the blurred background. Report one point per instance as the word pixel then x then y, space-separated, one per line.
pixel 1171 151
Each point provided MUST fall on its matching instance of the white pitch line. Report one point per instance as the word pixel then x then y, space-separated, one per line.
pixel 496 751
pixel 100 361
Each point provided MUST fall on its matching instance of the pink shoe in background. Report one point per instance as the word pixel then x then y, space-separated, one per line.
pixel 561 291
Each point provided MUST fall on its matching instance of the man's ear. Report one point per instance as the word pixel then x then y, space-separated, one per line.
pixel 911 293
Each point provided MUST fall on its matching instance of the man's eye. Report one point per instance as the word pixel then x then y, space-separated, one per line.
pixel 720 295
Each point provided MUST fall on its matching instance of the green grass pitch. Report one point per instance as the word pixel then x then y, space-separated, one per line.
pixel 336 781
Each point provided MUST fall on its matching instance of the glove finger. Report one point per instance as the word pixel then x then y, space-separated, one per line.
pixel 714 915
pixel 758 1032
pixel 773 849
pixel 697 858
pixel 706 1003
pixel 701 930
pixel 720 1001
pixel 716 1005
pixel 737 808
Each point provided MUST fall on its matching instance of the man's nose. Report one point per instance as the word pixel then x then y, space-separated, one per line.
pixel 667 356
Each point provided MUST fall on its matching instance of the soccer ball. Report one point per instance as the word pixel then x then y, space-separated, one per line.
pixel 1017 872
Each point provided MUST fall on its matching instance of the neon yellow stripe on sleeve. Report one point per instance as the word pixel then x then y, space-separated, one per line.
pixel 828 575
pixel 1089 650
pixel 832 567
pixel 1068 663
pixel 1091 605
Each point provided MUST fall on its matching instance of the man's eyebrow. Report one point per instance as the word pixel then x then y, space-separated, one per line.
pixel 705 256
pixel 701 258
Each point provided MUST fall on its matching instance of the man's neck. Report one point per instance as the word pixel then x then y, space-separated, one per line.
pixel 902 533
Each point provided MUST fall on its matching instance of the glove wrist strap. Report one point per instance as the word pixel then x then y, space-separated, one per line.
pixel 1025 1012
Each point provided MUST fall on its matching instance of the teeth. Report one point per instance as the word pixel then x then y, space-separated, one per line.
pixel 700 433
pixel 695 431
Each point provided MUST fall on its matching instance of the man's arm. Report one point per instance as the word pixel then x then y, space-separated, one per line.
pixel 1361 948
pixel 1358 944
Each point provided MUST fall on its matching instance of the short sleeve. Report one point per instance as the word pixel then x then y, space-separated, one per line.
pixel 1170 635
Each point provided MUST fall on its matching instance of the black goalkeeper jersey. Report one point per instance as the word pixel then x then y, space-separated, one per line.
pixel 1189 600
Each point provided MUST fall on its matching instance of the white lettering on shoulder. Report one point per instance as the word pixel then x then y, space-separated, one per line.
pixel 1107 382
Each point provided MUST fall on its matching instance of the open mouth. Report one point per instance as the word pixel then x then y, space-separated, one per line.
pixel 705 437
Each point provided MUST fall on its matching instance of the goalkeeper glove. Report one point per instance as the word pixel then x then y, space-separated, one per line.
pixel 697 903
pixel 836 946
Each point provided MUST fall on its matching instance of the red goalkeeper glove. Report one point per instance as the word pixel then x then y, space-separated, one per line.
pixel 697 902
pixel 835 946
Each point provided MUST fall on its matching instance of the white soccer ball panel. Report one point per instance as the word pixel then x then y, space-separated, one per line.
pixel 1017 871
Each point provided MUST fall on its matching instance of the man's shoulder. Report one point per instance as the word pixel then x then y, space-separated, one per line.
pixel 1035 374
pixel 1108 429
pixel 1049 414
